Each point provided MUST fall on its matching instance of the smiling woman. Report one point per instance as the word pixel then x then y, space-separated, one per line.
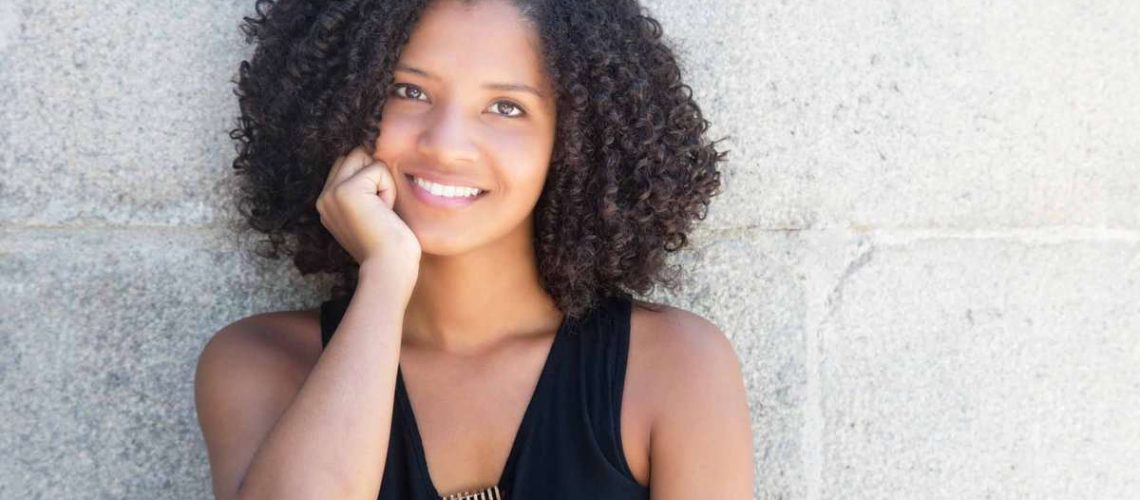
pixel 491 181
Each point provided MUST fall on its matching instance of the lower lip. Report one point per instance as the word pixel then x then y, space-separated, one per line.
pixel 440 201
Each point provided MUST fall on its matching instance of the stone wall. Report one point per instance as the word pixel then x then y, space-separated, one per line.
pixel 927 253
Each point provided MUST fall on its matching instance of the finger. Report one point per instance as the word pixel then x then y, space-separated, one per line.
pixel 333 170
pixel 376 179
pixel 356 159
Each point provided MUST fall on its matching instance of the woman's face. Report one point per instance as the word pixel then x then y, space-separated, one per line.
pixel 460 114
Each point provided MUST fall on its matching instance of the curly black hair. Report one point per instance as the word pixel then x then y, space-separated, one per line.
pixel 630 170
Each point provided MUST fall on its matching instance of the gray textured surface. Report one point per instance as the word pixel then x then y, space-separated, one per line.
pixel 102 328
pixel 927 253
pixel 984 369
pixel 113 112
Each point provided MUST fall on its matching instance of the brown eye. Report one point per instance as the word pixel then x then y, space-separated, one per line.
pixel 508 106
pixel 411 91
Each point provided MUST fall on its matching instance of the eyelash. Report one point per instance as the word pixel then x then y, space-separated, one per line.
pixel 398 86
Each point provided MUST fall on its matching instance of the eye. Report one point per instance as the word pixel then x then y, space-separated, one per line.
pixel 508 105
pixel 411 91
pixel 506 109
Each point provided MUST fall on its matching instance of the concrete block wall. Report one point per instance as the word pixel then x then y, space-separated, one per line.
pixel 927 253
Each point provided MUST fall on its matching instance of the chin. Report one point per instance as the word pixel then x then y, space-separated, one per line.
pixel 457 236
pixel 438 242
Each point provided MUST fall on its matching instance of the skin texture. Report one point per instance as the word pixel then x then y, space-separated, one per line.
pixel 479 321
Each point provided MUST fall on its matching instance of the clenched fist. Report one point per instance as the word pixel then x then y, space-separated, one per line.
pixel 356 206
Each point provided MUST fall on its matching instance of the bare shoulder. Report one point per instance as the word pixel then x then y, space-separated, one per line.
pixel 688 380
pixel 292 336
pixel 284 345
pixel 247 374
pixel 680 343
pixel 673 348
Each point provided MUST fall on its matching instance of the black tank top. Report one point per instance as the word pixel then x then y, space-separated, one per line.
pixel 568 445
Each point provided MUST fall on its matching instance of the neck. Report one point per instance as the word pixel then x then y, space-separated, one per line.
pixel 469 302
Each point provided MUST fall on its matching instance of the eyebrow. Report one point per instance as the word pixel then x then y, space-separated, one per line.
pixel 518 87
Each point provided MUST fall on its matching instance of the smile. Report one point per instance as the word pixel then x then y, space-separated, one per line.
pixel 443 196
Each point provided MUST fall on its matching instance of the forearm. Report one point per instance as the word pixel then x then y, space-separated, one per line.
pixel 332 441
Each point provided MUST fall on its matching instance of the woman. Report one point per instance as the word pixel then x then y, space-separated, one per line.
pixel 487 179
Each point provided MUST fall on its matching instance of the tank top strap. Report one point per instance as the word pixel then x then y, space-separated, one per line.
pixel 332 311
pixel 604 353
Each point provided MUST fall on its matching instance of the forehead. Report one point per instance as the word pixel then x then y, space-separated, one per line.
pixel 487 40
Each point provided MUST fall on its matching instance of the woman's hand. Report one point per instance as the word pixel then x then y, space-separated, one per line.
pixel 356 207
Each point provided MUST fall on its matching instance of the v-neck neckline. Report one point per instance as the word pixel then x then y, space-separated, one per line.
pixel 522 433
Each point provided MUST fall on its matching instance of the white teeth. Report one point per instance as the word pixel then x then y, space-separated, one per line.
pixel 445 190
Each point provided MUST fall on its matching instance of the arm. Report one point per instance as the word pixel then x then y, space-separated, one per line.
pixel 701 437
pixel 274 429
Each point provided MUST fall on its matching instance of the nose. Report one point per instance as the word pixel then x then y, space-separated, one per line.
pixel 448 136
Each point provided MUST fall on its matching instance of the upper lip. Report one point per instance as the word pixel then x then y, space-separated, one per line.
pixel 445 179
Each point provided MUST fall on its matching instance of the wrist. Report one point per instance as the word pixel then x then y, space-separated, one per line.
pixel 395 283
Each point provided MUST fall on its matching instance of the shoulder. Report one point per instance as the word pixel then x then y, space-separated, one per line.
pixel 690 380
pixel 247 373
pixel 682 344
pixel 679 359
pixel 288 340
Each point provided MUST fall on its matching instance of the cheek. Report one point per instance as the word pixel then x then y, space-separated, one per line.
pixel 525 157
pixel 396 135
